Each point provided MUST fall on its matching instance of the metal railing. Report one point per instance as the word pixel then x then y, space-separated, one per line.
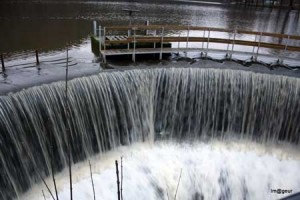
pixel 283 40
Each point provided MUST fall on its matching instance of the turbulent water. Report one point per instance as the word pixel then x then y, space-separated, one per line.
pixel 214 170
pixel 120 108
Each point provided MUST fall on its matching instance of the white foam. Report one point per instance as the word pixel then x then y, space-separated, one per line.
pixel 249 170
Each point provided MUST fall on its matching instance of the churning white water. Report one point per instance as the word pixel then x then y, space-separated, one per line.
pixel 213 170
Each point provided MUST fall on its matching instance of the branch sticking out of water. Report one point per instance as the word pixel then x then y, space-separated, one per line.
pixel 121 177
pixel 53 178
pixel 68 133
pixel 92 180
pixel 46 186
pixel 118 181
pixel 178 184
pixel 43 194
pixel 52 166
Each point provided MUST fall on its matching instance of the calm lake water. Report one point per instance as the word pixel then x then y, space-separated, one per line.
pixel 51 26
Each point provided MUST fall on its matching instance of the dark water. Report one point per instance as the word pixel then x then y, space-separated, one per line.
pixel 51 26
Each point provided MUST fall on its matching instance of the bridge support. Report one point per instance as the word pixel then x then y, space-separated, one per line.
pixel 178 45
pixel 134 43
pixel 253 57
pixel 187 40
pixel 229 54
pixel 259 41
pixel 201 54
pixel 285 49
pixel 155 33
pixel 162 43
pixel 207 46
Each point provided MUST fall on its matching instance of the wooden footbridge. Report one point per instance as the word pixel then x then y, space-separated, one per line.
pixel 159 39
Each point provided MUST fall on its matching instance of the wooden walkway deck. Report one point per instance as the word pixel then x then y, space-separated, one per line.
pixel 126 35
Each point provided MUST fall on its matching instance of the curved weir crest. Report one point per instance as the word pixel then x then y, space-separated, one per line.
pixel 120 108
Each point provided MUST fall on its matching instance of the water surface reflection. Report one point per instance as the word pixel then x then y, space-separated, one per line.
pixel 51 26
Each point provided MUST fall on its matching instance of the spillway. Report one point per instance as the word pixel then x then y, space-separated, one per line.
pixel 120 108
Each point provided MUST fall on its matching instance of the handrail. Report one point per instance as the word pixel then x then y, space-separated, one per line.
pixel 278 41
pixel 199 28
pixel 151 39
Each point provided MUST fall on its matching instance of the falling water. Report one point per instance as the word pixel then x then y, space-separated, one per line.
pixel 120 108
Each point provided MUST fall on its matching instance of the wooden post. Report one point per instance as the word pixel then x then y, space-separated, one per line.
pixel 118 182
pixel 37 57
pixel 2 62
pixel 291 4
pixel 95 28
pixel 162 43
pixel 134 43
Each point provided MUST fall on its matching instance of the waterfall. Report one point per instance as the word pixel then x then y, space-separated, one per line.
pixel 119 108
